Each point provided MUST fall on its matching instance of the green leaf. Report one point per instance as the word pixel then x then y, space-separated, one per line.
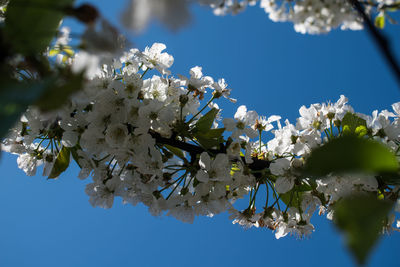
pixel 352 124
pixel 291 198
pixel 206 142
pixel 361 218
pixel 213 133
pixel 351 154
pixel 175 151
pixel 205 123
pixel 61 163
pixel 294 197
pixel 48 94
pixel 380 21
pixel 58 92
pixel 15 97
pixel 75 156
pixel 210 138
pixel 30 25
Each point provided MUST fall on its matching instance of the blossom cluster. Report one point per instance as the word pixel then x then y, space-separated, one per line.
pixel 308 16
pixel 148 137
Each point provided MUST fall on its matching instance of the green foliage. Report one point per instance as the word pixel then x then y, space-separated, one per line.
pixel 361 218
pixel 14 99
pixel 203 133
pixel 351 154
pixel 74 154
pixel 30 25
pixel 205 122
pixel 60 91
pixel 48 94
pixel 176 151
pixel 294 197
pixel 61 163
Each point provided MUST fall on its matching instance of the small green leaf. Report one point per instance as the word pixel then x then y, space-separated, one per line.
pixel 380 21
pixel 291 198
pixel 351 154
pixel 61 163
pixel 205 123
pixel 175 151
pixel 361 218
pixel 294 197
pixel 352 124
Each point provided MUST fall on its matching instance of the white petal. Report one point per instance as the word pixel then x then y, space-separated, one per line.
pixel 284 184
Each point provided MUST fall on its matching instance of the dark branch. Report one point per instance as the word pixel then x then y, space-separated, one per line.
pixel 194 150
pixel 379 39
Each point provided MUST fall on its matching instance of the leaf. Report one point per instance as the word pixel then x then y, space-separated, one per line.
pixel 48 94
pixel 291 198
pixel 206 142
pixel 352 124
pixel 30 25
pixel 175 151
pixel 205 123
pixel 15 97
pixel 75 156
pixel 380 21
pixel 213 133
pixel 58 92
pixel 61 163
pixel 294 197
pixel 210 138
pixel 361 218
pixel 351 154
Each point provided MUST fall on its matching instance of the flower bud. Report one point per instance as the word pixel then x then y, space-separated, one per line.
pixel 183 99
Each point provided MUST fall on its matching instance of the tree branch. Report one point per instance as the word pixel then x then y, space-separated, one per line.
pixel 381 41
pixel 257 164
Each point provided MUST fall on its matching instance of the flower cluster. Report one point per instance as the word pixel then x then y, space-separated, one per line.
pixel 308 16
pixel 155 139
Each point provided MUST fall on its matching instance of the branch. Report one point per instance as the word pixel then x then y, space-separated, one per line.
pixel 257 164
pixel 379 38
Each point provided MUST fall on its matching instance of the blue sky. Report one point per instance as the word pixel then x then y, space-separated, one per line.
pixel 272 70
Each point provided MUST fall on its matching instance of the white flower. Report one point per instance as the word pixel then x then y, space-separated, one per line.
pixel 213 170
pixel 28 164
pixel 197 80
pixel 154 58
pixel 102 38
pixel 155 116
pixel 173 13
pixel 220 89
pixel 279 166
pixel 86 62
pixel 155 88
pixel 116 135
pixel 244 120
pixel 284 184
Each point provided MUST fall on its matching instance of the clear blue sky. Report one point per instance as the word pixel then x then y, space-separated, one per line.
pixel 271 69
